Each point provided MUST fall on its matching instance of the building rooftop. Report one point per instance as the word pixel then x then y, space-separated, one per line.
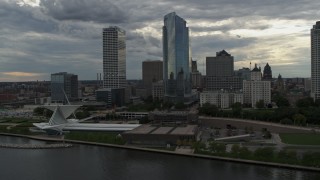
pixel 187 130
pixel 162 130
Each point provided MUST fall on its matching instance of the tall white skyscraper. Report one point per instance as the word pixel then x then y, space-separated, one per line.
pixel 114 57
pixel 315 61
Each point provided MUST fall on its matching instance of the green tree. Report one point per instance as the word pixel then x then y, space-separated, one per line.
pixel 286 121
pixel 260 104
pixel 236 109
pixel 299 119
pixel 217 147
pixel 287 156
pixel 306 102
pixel 264 154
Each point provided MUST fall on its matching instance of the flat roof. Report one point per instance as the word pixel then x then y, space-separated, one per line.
pixel 187 130
pixel 143 129
pixel 162 130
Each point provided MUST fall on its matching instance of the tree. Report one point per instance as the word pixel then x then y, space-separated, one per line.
pixel 236 109
pixel 260 104
pixel 264 154
pixel 306 102
pixel 286 121
pixel 299 119
pixel 180 106
pixel 217 147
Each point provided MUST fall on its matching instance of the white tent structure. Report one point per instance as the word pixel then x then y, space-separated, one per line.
pixel 59 122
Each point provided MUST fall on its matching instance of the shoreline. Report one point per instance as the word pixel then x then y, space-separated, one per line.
pixel 260 163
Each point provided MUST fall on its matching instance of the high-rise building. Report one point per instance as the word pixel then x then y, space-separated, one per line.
pixel 152 71
pixel 176 68
pixel 221 65
pixel 114 57
pixel 64 85
pixel 196 77
pixel 315 61
pixel 220 74
pixel 267 73
pixel 256 89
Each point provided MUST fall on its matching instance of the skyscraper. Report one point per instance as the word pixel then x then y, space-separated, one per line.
pixel 267 72
pixel 315 61
pixel 256 89
pixel 221 65
pixel 152 71
pixel 220 73
pixel 114 57
pixel 176 62
pixel 62 85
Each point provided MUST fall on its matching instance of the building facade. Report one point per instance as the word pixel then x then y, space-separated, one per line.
pixel 315 61
pixel 220 73
pixel 152 71
pixel 114 57
pixel 221 99
pixel 267 73
pixel 63 86
pixel 221 65
pixel 256 89
pixel 157 90
pixel 176 59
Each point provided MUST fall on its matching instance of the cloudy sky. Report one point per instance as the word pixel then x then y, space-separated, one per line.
pixel 40 37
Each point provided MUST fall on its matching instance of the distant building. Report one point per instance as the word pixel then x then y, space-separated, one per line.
pixel 196 76
pixel 221 65
pixel 256 89
pixel 220 73
pixel 243 73
pixel 267 73
pixel 315 61
pixel 176 59
pixel 157 90
pixel 173 117
pixel 307 84
pixel 114 57
pixel 64 85
pixel 152 71
pixel 114 97
pixel 280 84
pixel 221 99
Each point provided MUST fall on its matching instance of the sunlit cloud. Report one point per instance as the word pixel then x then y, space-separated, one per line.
pixel 21 74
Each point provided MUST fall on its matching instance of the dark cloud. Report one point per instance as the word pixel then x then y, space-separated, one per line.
pixel 65 35
pixel 101 11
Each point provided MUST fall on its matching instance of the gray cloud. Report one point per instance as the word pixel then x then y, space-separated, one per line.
pixel 65 35
pixel 102 11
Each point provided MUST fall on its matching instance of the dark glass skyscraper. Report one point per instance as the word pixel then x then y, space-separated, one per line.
pixel 176 60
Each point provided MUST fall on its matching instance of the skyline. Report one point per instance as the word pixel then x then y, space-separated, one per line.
pixel 44 37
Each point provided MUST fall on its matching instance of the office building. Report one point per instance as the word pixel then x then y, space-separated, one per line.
pixel 63 86
pixel 176 59
pixel 114 57
pixel 220 73
pixel 315 61
pixel 256 89
pixel 114 97
pixel 152 71
pixel 220 98
pixel 221 65
pixel 196 77
pixel 267 73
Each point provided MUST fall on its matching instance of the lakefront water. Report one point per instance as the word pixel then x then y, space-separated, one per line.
pixel 94 162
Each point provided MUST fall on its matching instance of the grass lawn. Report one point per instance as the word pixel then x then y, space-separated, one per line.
pixel 101 137
pixel 300 139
